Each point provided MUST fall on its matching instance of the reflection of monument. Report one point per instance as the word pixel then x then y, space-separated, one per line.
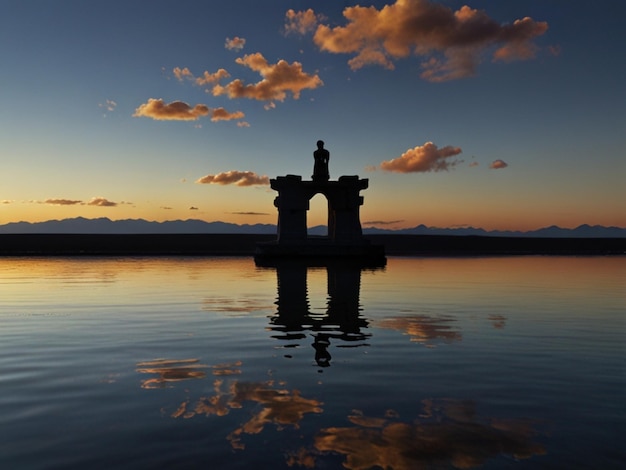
pixel 345 237
pixel 341 321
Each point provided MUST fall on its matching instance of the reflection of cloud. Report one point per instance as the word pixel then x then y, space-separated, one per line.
pixel 280 407
pixel 235 44
pixel 451 43
pixel 278 79
pixel 238 178
pixel 423 158
pixel 498 164
pixel 230 305
pixel 170 370
pixel 277 406
pixel 447 433
pixel 498 321
pixel 423 329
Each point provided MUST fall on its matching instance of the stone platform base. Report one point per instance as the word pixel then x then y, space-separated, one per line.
pixel 320 249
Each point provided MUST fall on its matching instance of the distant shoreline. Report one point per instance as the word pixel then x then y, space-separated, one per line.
pixel 245 245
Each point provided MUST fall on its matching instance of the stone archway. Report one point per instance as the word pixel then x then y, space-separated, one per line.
pixel 317 215
pixel 344 201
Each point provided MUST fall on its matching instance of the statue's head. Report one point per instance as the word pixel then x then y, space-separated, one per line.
pixel 320 144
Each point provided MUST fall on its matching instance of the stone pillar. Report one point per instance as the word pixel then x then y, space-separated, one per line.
pixel 292 206
pixel 345 203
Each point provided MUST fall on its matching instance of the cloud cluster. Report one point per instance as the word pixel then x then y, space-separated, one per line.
pixel 451 43
pixel 101 202
pixel 423 158
pixel 94 201
pixel 238 178
pixel 301 22
pixel 235 44
pixel 108 105
pixel 158 110
pixel 62 202
pixel 498 164
pixel 277 80
pixel 250 213
pixel 383 222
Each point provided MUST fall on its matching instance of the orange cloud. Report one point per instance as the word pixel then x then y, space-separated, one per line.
pixel 174 111
pixel 207 77
pixel 235 44
pixel 238 178
pixel 423 158
pixel 62 202
pixel 498 164
pixel 102 202
pixel 278 79
pixel 211 78
pixel 180 111
pixel 300 22
pixel 383 222
pixel 450 42
pixel 220 114
pixel 181 74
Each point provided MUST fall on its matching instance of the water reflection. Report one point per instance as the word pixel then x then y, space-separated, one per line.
pixel 447 432
pixel 168 370
pixel 341 320
pixel 270 402
pixel 423 329
pixel 443 432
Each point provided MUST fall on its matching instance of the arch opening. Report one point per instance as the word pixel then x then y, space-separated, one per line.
pixel 317 216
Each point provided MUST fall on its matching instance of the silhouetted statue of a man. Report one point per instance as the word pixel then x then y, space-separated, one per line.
pixel 320 169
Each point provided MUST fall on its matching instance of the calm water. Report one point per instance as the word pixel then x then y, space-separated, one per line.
pixel 216 363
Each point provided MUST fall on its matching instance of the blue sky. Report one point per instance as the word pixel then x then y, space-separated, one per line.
pixel 500 115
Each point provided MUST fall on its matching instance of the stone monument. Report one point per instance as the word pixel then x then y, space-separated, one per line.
pixel 345 236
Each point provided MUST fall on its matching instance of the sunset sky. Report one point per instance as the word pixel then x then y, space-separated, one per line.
pixel 492 114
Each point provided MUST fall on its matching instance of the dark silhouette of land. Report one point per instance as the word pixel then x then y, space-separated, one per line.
pixel 245 245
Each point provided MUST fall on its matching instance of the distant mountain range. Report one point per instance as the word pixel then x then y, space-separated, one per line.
pixel 140 226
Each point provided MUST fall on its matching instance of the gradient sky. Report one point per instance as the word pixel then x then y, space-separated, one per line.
pixel 492 114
